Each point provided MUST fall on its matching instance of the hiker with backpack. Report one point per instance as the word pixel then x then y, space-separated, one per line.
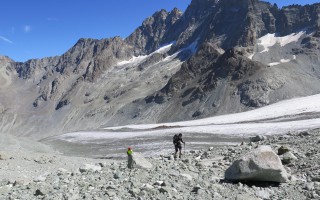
pixel 177 141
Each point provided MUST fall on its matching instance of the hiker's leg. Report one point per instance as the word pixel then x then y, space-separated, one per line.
pixel 180 148
pixel 176 151
pixel 130 162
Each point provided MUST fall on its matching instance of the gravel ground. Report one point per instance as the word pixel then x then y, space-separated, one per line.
pixel 199 174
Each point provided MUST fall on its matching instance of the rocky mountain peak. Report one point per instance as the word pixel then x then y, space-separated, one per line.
pixel 149 36
pixel 5 59
pixel 296 17
pixel 227 23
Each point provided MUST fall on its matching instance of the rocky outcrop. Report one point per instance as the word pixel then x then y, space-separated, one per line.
pixel 262 164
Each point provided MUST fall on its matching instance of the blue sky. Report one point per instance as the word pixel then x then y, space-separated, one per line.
pixel 42 28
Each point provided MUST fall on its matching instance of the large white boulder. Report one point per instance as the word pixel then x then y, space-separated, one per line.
pixel 140 162
pixel 261 164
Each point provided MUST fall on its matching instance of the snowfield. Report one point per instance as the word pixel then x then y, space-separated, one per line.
pixel 154 139
pixel 290 115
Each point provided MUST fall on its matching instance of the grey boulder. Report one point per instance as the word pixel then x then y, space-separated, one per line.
pixel 261 164
pixel 140 162
pixel 288 158
pixel 90 167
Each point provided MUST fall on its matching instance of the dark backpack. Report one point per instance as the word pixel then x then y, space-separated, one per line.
pixel 176 139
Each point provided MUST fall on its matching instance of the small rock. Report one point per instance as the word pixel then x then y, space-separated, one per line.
pixel 314 195
pixel 258 138
pixel 263 194
pixel 164 190
pixel 4 182
pixel 316 179
pixel 3 156
pixel 158 183
pixel 5 189
pixel 117 175
pixel 134 192
pixel 62 172
pixel 148 187
pixel 113 187
pixel 196 189
pixel 103 164
pixel 187 161
pixel 292 178
pixel 40 161
pixel 246 197
pixel 309 186
pixel 187 176
pixel 304 133
pixel 40 179
pixel 111 193
pixel 288 158
pixel 217 195
pixel 38 193
pixel 283 149
pixel 90 167
pixel 163 184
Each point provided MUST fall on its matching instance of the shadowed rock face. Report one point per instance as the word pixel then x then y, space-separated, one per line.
pixel 296 17
pixel 216 64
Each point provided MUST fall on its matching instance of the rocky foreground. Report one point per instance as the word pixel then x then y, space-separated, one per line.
pixel 198 175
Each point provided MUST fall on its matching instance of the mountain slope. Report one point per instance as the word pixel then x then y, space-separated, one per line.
pixel 238 66
pixel 218 57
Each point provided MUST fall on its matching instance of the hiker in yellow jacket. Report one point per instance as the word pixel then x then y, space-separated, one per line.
pixel 130 159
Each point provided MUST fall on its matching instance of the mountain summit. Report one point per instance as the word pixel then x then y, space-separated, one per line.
pixel 217 57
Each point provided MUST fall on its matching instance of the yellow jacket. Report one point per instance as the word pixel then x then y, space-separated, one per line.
pixel 129 152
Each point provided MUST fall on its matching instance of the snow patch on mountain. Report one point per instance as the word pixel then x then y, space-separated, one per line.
pixel 137 59
pixel 164 48
pixel 292 107
pixel 281 61
pixel 270 40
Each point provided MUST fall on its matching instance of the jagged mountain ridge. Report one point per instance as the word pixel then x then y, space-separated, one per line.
pixel 236 81
pixel 91 85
